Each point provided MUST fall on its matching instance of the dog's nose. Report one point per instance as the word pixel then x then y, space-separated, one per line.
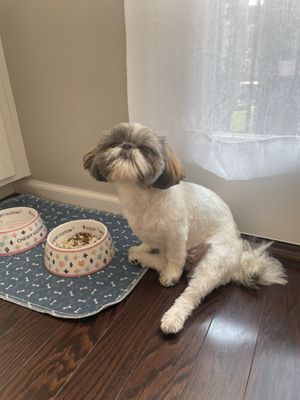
pixel 127 146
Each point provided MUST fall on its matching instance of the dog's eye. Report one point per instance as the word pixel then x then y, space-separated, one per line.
pixel 113 144
pixel 146 150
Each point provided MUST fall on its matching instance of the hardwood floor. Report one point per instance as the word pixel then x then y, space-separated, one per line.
pixel 239 344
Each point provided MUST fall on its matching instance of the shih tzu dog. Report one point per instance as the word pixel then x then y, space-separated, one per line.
pixel 180 224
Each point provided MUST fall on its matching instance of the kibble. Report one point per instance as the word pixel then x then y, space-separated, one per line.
pixel 80 239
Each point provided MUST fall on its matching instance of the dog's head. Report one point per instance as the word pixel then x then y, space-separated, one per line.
pixel 133 153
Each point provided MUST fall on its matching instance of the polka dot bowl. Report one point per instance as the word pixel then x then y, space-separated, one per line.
pixel 79 261
pixel 21 228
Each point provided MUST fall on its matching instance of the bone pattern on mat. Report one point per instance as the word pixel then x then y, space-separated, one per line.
pixel 25 281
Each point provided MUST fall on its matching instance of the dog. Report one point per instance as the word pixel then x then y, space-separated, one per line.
pixel 174 219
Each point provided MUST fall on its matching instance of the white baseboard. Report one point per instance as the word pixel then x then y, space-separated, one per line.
pixel 68 194
pixel 6 190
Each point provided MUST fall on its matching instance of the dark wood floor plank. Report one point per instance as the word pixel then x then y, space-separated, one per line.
pixel 10 315
pixel 222 366
pixel 165 362
pixel 275 373
pixel 47 372
pixel 20 344
pixel 286 252
pixel 110 363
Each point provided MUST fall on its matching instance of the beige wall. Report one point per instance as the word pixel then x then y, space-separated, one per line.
pixel 266 207
pixel 66 60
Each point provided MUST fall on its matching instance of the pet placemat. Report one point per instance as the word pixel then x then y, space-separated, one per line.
pixel 25 281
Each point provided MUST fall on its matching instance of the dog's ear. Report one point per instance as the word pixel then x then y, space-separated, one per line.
pixel 90 163
pixel 172 174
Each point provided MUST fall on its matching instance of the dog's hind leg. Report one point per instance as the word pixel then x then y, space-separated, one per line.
pixel 213 270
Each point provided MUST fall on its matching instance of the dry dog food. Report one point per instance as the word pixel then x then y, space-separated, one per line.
pixel 80 239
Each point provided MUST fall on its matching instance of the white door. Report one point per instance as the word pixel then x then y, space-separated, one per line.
pixel 13 160
pixel 7 168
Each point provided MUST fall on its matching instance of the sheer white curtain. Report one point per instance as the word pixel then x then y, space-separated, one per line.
pixel 221 79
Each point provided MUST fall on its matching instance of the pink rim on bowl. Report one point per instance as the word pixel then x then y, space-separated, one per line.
pixel 80 261
pixel 21 228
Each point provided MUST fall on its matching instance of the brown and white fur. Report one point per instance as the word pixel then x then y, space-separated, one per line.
pixel 176 217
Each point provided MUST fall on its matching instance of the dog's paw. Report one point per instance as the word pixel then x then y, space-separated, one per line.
pixel 135 262
pixel 172 322
pixel 168 280
pixel 134 256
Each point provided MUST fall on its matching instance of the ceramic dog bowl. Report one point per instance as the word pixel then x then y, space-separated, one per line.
pixel 21 228
pixel 83 260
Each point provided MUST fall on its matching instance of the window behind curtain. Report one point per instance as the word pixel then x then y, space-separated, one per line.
pixel 251 57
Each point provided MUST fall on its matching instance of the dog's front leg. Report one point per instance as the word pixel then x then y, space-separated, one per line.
pixel 175 257
pixel 135 252
pixel 145 256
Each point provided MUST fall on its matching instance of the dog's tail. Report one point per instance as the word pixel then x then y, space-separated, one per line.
pixel 258 268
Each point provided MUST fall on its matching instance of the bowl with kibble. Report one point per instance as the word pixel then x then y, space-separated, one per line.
pixel 21 229
pixel 78 248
